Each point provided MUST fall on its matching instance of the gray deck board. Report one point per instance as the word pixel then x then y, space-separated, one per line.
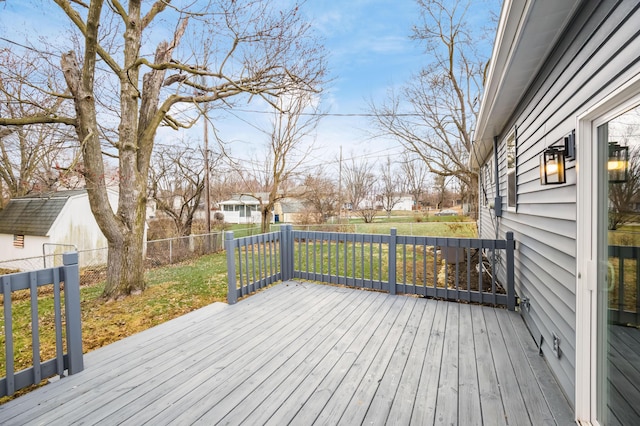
pixel 512 398
pixel 468 389
pixel 425 406
pixel 302 353
pixel 624 373
pixel 402 404
pixel 488 386
pixel 539 412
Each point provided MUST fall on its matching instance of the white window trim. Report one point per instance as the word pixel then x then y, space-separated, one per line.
pixel 622 99
pixel 511 135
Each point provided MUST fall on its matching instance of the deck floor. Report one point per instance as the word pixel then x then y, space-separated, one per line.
pixel 302 353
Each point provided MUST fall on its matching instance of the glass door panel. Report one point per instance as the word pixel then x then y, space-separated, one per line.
pixel 618 331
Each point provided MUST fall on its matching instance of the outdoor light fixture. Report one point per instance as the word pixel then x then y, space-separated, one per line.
pixel 552 166
pixel 618 164
pixel 552 161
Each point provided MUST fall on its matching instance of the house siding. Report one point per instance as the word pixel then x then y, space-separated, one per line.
pixel 599 51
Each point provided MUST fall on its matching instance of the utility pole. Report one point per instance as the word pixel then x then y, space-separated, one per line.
pixel 207 200
pixel 340 188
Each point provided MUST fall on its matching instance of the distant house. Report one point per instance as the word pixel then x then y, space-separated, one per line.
pixel 241 209
pixel 561 106
pixel 405 203
pixel 51 223
pixel 293 210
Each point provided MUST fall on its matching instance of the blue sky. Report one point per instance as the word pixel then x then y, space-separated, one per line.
pixel 370 51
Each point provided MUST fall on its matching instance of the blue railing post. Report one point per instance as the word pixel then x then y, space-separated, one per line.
pixel 8 335
pixel 392 261
pixel 290 262
pixel 511 292
pixel 286 252
pixel 72 312
pixel 232 292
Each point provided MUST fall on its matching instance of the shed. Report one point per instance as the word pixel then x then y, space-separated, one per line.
pixel 50 223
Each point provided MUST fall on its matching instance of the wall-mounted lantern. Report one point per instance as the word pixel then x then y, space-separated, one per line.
pixel 618 164
pixel 552 161
pixel 552 166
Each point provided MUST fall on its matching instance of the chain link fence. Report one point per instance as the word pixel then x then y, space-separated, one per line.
pixel 93 263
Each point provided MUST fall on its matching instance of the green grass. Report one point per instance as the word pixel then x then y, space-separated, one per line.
pixel 429 229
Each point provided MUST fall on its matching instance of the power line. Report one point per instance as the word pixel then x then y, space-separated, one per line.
pixel 33 49
pixel 330 114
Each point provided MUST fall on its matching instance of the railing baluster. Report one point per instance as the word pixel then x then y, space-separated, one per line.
pixel 392 261
pixel 35 329
pixel 57 307
pixel 493 272
pixel 8 335
pixel 457 269
pixel 621 284
pixel 435 267
pixel 404 268
pixel 371 265
pixel 415 267
pixel 468 273
pixel 424 267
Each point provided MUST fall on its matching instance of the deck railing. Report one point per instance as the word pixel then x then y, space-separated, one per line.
pixel 463 269
pixel 66 276
pixel 624 284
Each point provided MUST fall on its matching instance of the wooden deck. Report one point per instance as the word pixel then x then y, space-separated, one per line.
pixel 624 375
pixel 312 354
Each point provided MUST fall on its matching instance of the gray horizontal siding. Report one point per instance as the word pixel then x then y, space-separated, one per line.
pixel 599 51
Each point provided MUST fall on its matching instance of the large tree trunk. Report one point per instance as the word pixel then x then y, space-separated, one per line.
pixel 472 196
pixel 265 224
pixel 125 263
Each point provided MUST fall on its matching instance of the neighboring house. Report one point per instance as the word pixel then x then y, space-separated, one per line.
pixel 51 223
pixel 241 209
pixel 405 203
pixel 566 70
pixel 292 210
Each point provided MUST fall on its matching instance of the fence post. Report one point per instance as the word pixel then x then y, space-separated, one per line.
pixel 72 311
pixel 290 252
pixel 392 261
pixel 511 292
pixel 286 252
pixel 232 292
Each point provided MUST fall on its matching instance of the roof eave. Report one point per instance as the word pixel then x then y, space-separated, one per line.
pixel 526 35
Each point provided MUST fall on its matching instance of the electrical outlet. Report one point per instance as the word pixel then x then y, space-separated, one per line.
pixel 556 346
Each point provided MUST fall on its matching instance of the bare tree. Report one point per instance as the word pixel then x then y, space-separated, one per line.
pixel 37 157
pixel 415 176
pixel 359 183
pixel 290 143
pixel 258 51
pixel 321 193
pixel 434 114
pixel 391 187
pixel 177 182
pixel 440 190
